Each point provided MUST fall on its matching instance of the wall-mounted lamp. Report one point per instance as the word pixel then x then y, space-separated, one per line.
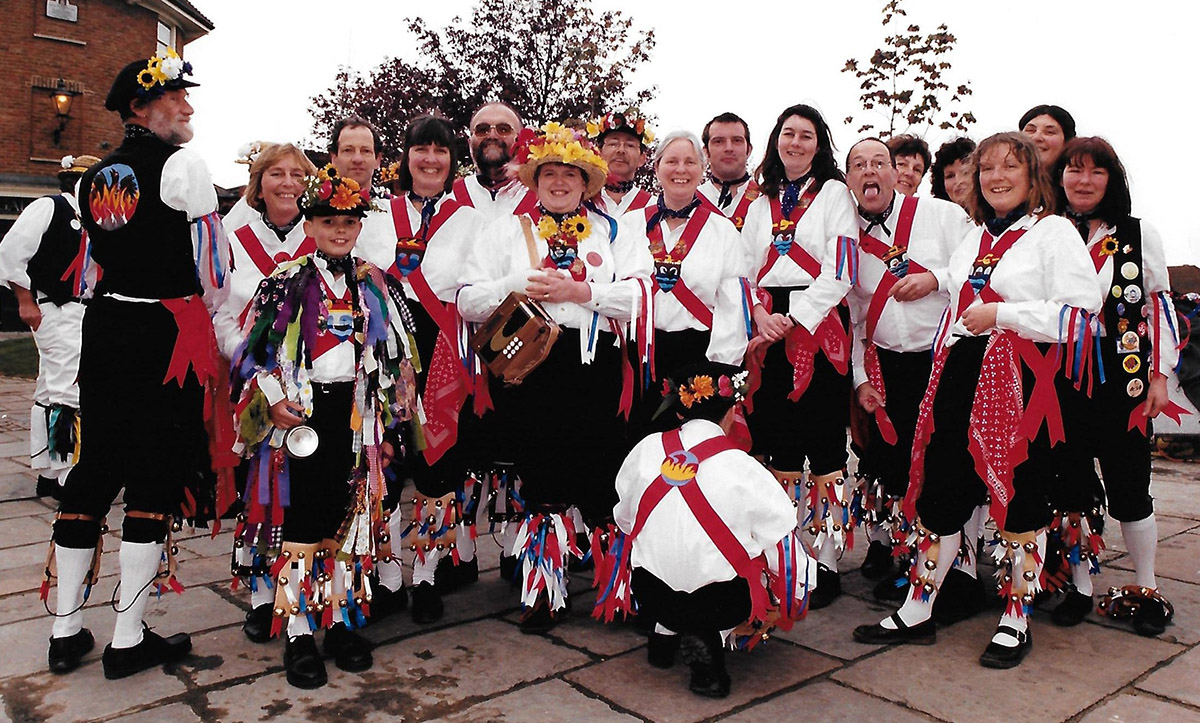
pixel 62 98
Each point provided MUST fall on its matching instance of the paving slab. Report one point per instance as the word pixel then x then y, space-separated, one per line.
pixel 826 696
pixel 84 694
pixel 829 630
pixel 1133 708
pixel 1184 629
pixel 552 700
pixel 662 695
pixel 28 530
pixel 1168 526
pixel 225 654
pixel 1178 558
pixel 947 682
pixel 1177 680
pixel 25 507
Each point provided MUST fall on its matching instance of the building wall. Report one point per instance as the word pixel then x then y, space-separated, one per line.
pixel 37 50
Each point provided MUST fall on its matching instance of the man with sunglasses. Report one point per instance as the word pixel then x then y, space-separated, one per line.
pixel 493 131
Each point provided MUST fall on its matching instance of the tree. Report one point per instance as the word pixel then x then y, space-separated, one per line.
pixel 906 81
pixel 550 60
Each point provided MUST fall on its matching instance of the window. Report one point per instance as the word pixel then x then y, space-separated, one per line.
pixel 166 37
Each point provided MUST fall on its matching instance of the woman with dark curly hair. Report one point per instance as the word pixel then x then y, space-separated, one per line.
pixel 950 176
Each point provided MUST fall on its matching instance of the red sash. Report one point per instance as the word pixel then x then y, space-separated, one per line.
pixel 738 217
pixel 781 226
pixel 679 473
pixel 461 195
pixel 326 339
pixel 641 199
pixel 682 293
pixel 446 383
pixel 528 205
pixel 265 262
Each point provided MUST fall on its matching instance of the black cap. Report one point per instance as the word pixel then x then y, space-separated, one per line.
pixel 704 390
pixel 127 85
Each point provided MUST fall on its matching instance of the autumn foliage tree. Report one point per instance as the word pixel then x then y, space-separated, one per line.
pixel 906 82
pixel 548 59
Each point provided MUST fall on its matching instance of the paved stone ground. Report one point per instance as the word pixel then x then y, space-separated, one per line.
pixel 474 665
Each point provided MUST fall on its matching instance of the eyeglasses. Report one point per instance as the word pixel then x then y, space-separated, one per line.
pixel 876 164
pixel 615 144
pixel 502 129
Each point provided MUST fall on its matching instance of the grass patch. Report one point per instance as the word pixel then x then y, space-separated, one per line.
pixel 19 358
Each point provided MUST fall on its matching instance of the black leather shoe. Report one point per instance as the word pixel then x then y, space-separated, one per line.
pixel 65 653
pixel 508 568
pixel 539 620
pixel 384 602
pixel 303 663
pixel 350 652
pixel 1072 610
pixel 920 634
pixel 892 589
pixel 829 587
pixel 154 650
pixel 444 578
pixel 660 650
pixel 878 561
pixel 467 572
pixel 706 657
pixel 427 605
pixel 960 597
pixel 1150 619
pixel 258 623
pixel 1002 656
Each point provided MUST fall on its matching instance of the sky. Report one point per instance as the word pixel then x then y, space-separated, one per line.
pixel 1123 70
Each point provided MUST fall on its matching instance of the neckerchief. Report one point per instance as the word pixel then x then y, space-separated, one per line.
pixel 428 206
pixel 1081 221
pixel 661 212
pixel 281 231
pixel 726 196
pixel 336 264
pixel 996 226
pixel 877 219
pixel 620 186
pixel 791 195
pixel 135 131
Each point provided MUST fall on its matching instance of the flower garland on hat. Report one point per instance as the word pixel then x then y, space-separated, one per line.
pixel 629 120
pixel 328 193
pixel 161 70
pixel 699 387
pixel 556 143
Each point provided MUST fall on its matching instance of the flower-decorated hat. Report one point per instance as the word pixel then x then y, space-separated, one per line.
pixel 705 390
pixel 328 194
pixel 629 121
pixel 556 143
pixel 76 165
pixel 248 153
pixel 148 79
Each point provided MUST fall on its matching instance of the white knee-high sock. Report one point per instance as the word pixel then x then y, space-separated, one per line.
pixel 880 534
pixel 73 565
pixel 391 573
pixel 916 609
pixel 828 555
pixel 661 629
pixel 1141 539
pixel 1081 576
pixel 970 541
pixel 297 626
pixel 139 565
pixel 423 571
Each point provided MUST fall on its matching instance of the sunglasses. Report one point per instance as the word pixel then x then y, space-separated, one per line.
pixel 503 129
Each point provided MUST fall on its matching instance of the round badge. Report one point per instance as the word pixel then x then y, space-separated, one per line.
pixel 75 224
pixel 1129 270
pixel 594 259
pixel 1131 363
pixel 1134 387
pixel 1120 308
pixel 1127 249
pixel 1133 294
pixel 1143 329
pixel 679 468
pixel 1122 325
pixel 1116 292
pixel 1129 341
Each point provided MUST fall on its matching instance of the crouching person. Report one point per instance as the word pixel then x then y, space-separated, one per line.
pixel 706 530
pixel 322 381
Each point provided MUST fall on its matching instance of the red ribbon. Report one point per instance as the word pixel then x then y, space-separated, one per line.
pixel 887 430
pixel 195 343
pixel 1138 418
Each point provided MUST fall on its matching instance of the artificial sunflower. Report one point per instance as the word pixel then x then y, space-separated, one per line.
pixel 1108 246
pixel 547 227
pixel 702 387
pixel 146 79
pixel 345 197
pixel 685 396
pixel 578 226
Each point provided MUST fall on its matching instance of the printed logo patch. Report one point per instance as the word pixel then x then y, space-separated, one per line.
pixel 113 197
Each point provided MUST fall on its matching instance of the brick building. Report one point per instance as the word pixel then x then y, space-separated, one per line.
pixel 74 47
pixel 71 48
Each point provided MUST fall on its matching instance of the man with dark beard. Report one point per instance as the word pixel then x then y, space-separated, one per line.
pixel 492 133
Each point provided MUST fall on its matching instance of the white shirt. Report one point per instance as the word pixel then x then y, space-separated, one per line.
pixel 617 209
pixel 240 215
pixel 244 279
pixel 503 203
pixel 713 270
pixel 673 546
pixel 907 326
pixel 447 249
pixel 1155 279
pixel 711 190
pixel 1045 270
pixel 25 237
pixel 498 264
pixel 831 215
